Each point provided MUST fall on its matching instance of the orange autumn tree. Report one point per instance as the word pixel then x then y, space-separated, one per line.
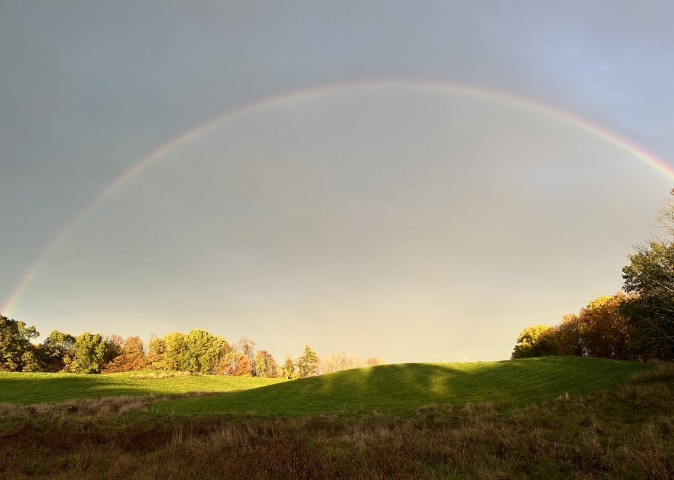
pixel 605 333
pixel 598 330
pixel 132 357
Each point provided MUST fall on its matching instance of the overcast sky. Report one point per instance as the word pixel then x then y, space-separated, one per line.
pixel 396 181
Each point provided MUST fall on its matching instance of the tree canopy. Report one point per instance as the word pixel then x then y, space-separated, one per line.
pixel 16 351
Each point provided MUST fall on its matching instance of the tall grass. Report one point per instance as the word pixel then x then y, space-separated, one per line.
pixel 623 432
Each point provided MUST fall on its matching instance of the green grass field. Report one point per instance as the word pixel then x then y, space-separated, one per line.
pixel 403 387
pixel 29 388
pixel 620 432
pixel 399 387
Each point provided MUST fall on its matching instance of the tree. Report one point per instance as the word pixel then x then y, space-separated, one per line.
pixel 132 357
pixel 176 354
pixel 204 351
pixel 649 282
pixel 568 336
pixel 288 370
pixel 605 332
pixel 236 364
pixel 535 341
pixel 155 353
pixel 54 349
pixel 307 363
pixel 333 362
pixel 17 353
pixel 598 330
pixel 240 361
pixel 649 278
pixel 114 346
pixel 87 354
pixel 246 346
pixel 265 365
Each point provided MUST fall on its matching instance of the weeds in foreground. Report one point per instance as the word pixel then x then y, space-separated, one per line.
pixel 623 433
pixel 94 407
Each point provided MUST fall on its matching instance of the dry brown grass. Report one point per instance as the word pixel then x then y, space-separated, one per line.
pixel 95 407
pixel 625 433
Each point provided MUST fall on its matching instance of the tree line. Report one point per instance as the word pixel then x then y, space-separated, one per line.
pixel 634 324
pixel 197 351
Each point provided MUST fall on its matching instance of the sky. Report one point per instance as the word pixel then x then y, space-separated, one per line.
pixel 416 181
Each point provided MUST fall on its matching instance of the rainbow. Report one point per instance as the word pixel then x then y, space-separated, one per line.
pixel 649 159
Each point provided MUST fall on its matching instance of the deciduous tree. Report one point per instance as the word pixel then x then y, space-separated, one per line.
pixel 534 341
pixel 132 357
pixel 568 336
pixel 265 365
pixel 236 364
pixel 649 279
pixel 204 351
pixel 16 351
pixel 307 363
pixel 54 349
pixel 289 371
pixel 605 332
pixel 86 354
pixel 155 354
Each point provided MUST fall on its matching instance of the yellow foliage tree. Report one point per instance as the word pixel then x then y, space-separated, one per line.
pixel 532 342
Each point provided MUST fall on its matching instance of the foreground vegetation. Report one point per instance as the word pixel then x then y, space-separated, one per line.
pixel 404 387
pixel 624 432
pixel 30 388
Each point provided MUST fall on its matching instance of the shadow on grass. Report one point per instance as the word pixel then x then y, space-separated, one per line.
pixel 36 388
pixel 402 387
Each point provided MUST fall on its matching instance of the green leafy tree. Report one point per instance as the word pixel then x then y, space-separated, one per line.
pixel 17 353
pixel 54 350
pixel 196 351
pixel 649 279
pixel 307 363
pixel 176 354
pixel 649 283
pixel 87 354
pixel 204 350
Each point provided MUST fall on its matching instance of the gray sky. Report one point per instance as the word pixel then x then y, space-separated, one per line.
pixel 380 212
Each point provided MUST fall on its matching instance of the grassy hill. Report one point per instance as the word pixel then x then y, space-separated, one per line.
pixel 622 431
pixel 403 387
pixel 29 388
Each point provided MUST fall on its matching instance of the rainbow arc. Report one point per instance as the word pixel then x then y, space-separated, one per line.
pixel 288 99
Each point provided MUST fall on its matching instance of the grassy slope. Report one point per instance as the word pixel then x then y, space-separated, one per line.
pixel 619 433
pixel 28 388
pixel 406 386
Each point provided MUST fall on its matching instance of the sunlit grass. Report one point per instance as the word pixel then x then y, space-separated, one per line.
pixel 403 387
pixel 28 388
pixel 621 432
